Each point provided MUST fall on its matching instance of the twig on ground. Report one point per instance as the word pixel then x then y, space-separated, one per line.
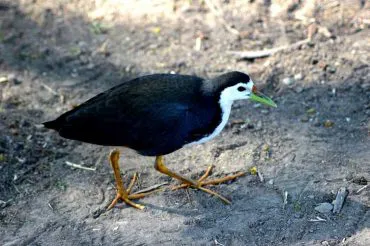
pixel 361 189
pixel 68 163
pixel 4 204
pixel 285 199
pixel 268 52
pixel 153 187
pixel 262 179
pixel 339 200
pixel 218 243
pixel 198 44
pixel 52 91
pixel 318 219
pixel 48 88
pixel 219 14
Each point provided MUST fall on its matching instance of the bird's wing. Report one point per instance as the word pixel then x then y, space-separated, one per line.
pixel 167 127
pixel 163 128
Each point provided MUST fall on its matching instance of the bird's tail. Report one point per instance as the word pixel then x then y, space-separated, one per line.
pixel 54 124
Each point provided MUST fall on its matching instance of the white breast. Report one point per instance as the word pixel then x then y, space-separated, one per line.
pixel 225 104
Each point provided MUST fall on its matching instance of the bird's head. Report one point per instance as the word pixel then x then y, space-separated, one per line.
pixel 237 86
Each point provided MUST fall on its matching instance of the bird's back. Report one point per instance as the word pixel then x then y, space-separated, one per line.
pixel 154 114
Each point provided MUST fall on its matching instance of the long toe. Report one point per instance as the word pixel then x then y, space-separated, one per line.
pixel 223 179
pixel 121 197
pixel 202 181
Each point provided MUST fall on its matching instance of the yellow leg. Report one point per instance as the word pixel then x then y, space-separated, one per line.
pixel 159 165
pixel 122 193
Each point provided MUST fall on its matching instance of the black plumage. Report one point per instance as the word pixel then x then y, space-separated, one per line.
pixel 154 115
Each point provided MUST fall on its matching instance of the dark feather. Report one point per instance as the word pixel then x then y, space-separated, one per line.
pixel 154 115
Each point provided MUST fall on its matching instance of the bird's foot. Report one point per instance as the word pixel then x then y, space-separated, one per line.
pixel 203 182
pixel 124 194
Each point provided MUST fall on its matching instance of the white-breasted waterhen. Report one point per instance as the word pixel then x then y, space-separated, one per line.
pixel 156 115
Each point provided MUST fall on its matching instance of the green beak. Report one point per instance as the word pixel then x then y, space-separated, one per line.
pixel 259 97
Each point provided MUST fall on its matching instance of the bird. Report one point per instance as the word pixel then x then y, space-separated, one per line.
pixel 156 115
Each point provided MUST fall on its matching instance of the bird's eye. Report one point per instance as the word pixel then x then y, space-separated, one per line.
pixel 241 88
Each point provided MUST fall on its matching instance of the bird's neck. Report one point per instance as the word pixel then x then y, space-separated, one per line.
pixel 226 109
pixel 225 106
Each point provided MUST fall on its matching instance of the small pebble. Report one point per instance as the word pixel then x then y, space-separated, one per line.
pixel 298 76
pixel 305 118
pixel 331 69
pixel 311 111
pixel 328 123
pixel 3 79
pixel 324 208
pixel 322 65
pixel 288 81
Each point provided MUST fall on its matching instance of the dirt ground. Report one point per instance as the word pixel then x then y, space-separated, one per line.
pixel 56 54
